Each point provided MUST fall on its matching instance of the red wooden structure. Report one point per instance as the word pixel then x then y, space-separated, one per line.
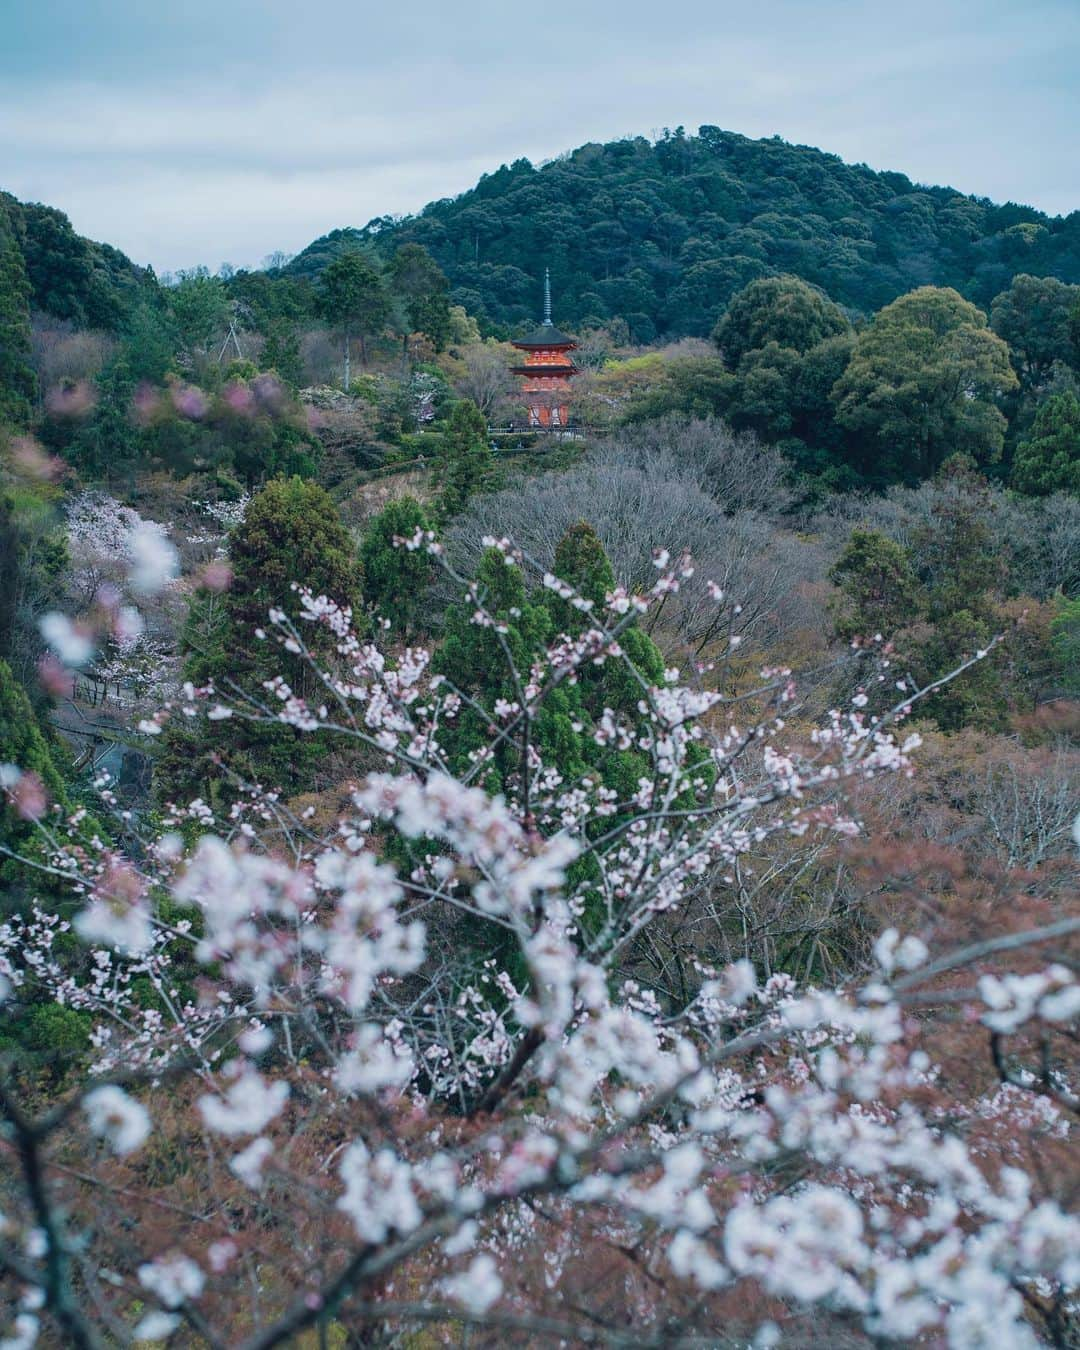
pixel 547 371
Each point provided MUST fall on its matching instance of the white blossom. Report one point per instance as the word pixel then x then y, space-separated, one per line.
pixel 117 1118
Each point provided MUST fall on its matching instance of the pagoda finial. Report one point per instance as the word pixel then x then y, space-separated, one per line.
pixel 547 297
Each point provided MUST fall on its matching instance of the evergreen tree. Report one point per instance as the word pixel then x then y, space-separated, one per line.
pixel 1065 643
pixel 423 287
pixel 291 533
pixel 466 459
pixel 109 444
pixel 18 384
pixel 150 342
pixel 33 559
pixel 24 747
pixel 353 298
pixel 1033 318
pixel 396 579
pixel 879 590
pixel 281 353
pixel 1048 460
pixel 937 601
pixel 784 310
pixel 478 660
pixel 199 305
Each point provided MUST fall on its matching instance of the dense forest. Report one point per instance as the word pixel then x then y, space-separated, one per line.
pixel 660 235
pixel 462 884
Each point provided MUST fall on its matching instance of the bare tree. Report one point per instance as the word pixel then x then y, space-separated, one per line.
pixel 637 498
pixel 486 379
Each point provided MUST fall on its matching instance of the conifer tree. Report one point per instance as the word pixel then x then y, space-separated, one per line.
pixel 281 353
pixel 466 458
pixel 580 561
pixel 422 285
pixel 1048 459
pixel 24 748
pixel 291 534
pixel 396 579
pixel 18 384
pixel 354 300
pixel 879 591
pixel 109 444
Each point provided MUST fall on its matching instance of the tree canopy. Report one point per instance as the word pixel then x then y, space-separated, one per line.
pixel 783 310
pixel 663 234
pixel 1048 460
pixel 924 379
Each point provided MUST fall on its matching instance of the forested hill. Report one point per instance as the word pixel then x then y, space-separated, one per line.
pixel 663 234
pixel 70 277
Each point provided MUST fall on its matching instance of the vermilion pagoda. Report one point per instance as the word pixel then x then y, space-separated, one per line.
pixel 548 369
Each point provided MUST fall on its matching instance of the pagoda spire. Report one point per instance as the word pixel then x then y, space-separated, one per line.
pixel 547 297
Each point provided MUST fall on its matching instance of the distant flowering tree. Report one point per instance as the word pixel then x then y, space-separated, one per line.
pixel 310 1105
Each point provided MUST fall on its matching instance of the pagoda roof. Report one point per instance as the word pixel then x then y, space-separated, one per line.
pixel 546 336
pixel 546 372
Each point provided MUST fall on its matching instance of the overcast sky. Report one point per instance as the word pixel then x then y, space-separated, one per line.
pixel 210 131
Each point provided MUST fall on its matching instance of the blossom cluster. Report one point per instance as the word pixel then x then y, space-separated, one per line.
pixel 448 991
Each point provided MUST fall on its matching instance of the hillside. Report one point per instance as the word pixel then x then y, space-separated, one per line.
pixel 93 285
pixel 663 234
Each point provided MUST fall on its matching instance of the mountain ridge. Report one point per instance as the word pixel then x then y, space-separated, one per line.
pixel 660 234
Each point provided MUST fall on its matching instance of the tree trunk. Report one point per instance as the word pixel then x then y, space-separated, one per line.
pixel 363 351
pixel 347 370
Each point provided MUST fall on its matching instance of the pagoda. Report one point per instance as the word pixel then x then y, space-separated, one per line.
pixel 548 369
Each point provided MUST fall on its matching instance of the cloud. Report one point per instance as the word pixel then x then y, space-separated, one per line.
pixel 329 115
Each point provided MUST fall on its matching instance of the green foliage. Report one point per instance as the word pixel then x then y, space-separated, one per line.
pixel 954 552
pixel 396 579
pixel 465 462
pixel 281 353
pixel 690 386
pixel 52 1030
pixel 270 300
pixel 291 533
pixel 108 445
pixel 33 558
pixel 477 660
pixel 353 298
pixel 150 341
pixel 23 744
pixel 939 601
pixel 1048 460
pixel 923 381
pixel 21 740
pixel 783 310
pixel 252 430
pixel 1065 643
pixel 18 384
pixel 93 285
pixel 664 234
pixel 1033 318
pixel 421 283
pixel 879 590
pixel 580 561
pixel 199 305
